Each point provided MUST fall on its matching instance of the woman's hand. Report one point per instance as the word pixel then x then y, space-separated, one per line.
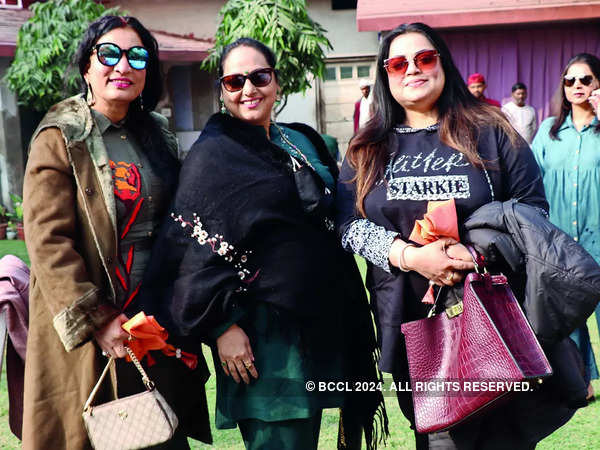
pixel 594 100
pixel 236 354
pixel 441 262
pixel 111 337
pixel 458 251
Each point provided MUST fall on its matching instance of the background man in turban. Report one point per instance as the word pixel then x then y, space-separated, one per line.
pixel 476 85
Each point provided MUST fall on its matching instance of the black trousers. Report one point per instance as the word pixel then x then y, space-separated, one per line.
pixel 406 406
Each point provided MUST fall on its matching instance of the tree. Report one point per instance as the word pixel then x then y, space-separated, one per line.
pixel 39 73
pixel 284 26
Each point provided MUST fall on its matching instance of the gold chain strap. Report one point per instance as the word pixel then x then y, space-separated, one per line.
pixel 145 379
pixel 147 382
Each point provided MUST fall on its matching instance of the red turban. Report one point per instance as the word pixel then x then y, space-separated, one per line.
pixel 475 78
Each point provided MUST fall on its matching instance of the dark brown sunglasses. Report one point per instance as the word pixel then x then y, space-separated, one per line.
pixel 258 77
pixel 586 80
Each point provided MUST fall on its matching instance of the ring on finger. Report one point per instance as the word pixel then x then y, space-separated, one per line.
pixel 450 276
pixel 248 364
pixel 224 363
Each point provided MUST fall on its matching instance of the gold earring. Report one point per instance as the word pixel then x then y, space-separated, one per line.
pixel 89 96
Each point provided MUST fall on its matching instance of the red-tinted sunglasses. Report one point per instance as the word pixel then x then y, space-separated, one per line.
pixel 425 60
pixel 586 80
pixel 258 77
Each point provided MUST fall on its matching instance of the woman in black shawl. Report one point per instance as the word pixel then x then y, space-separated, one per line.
pixel 250 263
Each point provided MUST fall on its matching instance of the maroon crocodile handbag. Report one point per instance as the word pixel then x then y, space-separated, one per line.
pixel 467 357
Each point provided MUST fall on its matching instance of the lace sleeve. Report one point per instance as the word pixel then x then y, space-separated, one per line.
pixel 370 241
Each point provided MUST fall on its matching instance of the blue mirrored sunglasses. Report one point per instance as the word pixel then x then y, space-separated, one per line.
pixel 110 54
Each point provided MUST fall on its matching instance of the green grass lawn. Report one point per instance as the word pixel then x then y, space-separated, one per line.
pixel 582 432
pixel 15 247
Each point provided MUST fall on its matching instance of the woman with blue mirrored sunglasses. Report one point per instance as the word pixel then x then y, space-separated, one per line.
pixel 107 167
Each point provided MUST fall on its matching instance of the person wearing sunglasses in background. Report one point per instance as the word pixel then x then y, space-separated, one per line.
pixel 251 266
pixel 566 147
pixel 431 140
pixel 102 169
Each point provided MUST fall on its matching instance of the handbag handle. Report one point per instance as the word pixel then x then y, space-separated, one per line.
pixel 145 379
pixel 457 309
pixel 478 260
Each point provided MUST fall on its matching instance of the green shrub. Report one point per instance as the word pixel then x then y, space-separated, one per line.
pixel 39 73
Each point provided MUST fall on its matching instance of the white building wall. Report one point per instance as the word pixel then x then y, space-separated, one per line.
pixel 11 153
pixel 302 108
pixel 341 30
pixel 183 17
pixel 317 107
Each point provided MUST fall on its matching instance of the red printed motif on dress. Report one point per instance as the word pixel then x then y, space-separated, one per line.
pixel 128 189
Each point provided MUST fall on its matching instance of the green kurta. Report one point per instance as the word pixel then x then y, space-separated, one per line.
pixel 282 357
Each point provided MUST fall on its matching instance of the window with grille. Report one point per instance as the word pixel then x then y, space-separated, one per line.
pixel 345 72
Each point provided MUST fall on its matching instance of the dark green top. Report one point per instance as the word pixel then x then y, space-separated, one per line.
pixel 139 196
pixel 305 146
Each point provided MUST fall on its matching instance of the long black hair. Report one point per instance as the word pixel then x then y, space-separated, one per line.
pixel 139 120
pixel 461 116
pixel 561 106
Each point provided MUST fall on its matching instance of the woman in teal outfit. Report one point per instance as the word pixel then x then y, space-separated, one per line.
pixel 567 149
pixel 252 267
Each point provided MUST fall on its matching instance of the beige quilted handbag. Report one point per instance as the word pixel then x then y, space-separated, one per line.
pixel 133 422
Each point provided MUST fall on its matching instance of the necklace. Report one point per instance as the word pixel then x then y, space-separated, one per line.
pixel 297 152
pixel 406 129
pixel 295 164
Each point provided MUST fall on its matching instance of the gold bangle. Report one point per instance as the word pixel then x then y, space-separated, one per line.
pixel 401 260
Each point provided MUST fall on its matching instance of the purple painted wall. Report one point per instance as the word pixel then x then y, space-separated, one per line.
pixel 534 55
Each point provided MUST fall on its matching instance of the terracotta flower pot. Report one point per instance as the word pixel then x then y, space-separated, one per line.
pixel 20 232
